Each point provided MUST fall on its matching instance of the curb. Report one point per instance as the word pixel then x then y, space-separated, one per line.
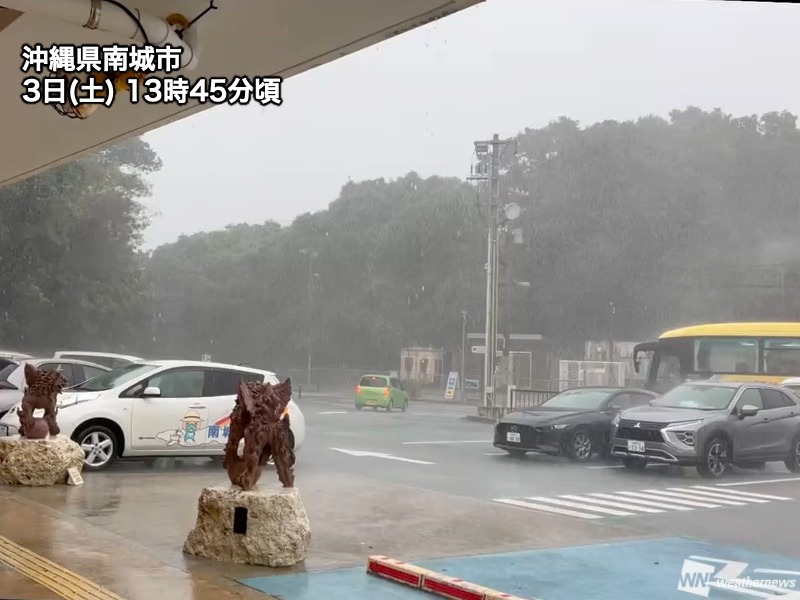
pixel 431 581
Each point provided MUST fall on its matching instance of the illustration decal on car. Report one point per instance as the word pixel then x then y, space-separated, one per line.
pixel 191 433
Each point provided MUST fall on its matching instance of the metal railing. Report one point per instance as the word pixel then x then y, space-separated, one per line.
pixel 520 398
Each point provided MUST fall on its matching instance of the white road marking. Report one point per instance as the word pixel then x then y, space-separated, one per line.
pixel 333 412
pixel 550 509
pixel 691 496
pixel 496 454
pixel 650 501
pixel 713 495
pixel 661 497
pixel 449 442
pixel 608 467
pixel 758 481
pixel 621 505
pixel 583 506
pixel 666 505
pixel 361 453
pixel 737 493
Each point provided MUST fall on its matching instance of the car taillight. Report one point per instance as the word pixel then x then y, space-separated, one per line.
pixel 358 389
pixel 386 392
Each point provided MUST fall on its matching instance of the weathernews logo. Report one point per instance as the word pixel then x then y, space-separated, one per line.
pixel 700 575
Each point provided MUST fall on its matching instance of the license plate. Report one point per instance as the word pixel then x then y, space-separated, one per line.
pixel 371 402
pixel 513 436
pixel 3 430
pixel 634 446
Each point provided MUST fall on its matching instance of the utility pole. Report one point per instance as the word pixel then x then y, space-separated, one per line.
pixel 491 150
pixel 311 254
pixel 463 349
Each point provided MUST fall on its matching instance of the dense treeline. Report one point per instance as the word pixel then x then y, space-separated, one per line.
pixel 691 218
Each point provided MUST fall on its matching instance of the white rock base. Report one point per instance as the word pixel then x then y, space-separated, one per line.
pixel 278 530
pixel 38 462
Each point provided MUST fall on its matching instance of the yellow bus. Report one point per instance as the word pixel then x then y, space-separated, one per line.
pixel 767 352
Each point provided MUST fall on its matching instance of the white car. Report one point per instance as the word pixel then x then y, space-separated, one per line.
pixel 163 408
pixel 109 359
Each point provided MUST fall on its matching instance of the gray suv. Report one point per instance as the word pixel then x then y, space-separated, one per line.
pixel 712 425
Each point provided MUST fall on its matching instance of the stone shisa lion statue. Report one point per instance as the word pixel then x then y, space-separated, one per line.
pixel 260 418
pixel 39 455
pixel 43 388
pixel 242 523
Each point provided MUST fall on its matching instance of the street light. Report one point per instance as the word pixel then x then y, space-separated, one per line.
pixel 311 254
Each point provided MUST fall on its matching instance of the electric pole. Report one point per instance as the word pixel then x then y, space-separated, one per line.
pixel 490 150
pixel 463 348
pixel 311 254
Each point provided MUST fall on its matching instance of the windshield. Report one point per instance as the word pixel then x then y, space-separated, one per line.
pixel 578 399
pixel 373 381
pixel 700 397
pixel 113 379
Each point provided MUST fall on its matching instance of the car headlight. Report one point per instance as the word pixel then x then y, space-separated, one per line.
pixel 615 421
pixel 685 431
pixel 560 426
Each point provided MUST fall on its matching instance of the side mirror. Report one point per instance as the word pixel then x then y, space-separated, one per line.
pixel 151 392
pixel 748 410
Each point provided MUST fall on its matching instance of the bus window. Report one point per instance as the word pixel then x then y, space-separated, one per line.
pixel 721 355
pixel 782 356
pixel 669 373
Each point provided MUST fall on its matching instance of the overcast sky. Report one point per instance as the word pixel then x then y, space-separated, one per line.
pixel 418 101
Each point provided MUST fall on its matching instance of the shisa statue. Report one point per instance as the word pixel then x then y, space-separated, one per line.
pixel 260 418
pixel 43 388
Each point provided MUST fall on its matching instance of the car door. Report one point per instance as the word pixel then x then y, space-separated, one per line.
pixel 222 386
pixel 781 426
pixel 750 434
pixel 398 395
pixel 172 421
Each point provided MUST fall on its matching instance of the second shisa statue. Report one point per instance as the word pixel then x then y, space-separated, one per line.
pixel 260 418
pixel 43 388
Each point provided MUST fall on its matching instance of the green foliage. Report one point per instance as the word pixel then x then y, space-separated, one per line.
pixel 672 220
pixel 68 252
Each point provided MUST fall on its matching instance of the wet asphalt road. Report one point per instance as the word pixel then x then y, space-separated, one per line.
pixel 428 483
pixel 456 457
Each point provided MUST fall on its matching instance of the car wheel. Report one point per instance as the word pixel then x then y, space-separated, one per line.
pixel 516 453
pixel 390 408
pixel 358 406
pixel 579 446
pixel 714 461
pixel 792 462
pixel 405 406
pixel 99 444
pixel 633 463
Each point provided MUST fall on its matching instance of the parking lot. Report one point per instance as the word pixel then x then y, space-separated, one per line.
pixel 420 485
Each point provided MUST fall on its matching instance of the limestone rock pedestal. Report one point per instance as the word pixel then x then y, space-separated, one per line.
pixel 277 534
pixel 38 462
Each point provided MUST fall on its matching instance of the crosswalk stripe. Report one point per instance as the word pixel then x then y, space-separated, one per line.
pixel 661 497
pixel 551 509
pixel 745 494
pixel 666 505
pixel 598 505
pixel 608 511
pixel 720 494
pixel 623 505
pixel 694 497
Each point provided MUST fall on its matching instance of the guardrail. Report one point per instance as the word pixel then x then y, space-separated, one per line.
pixel 520 398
